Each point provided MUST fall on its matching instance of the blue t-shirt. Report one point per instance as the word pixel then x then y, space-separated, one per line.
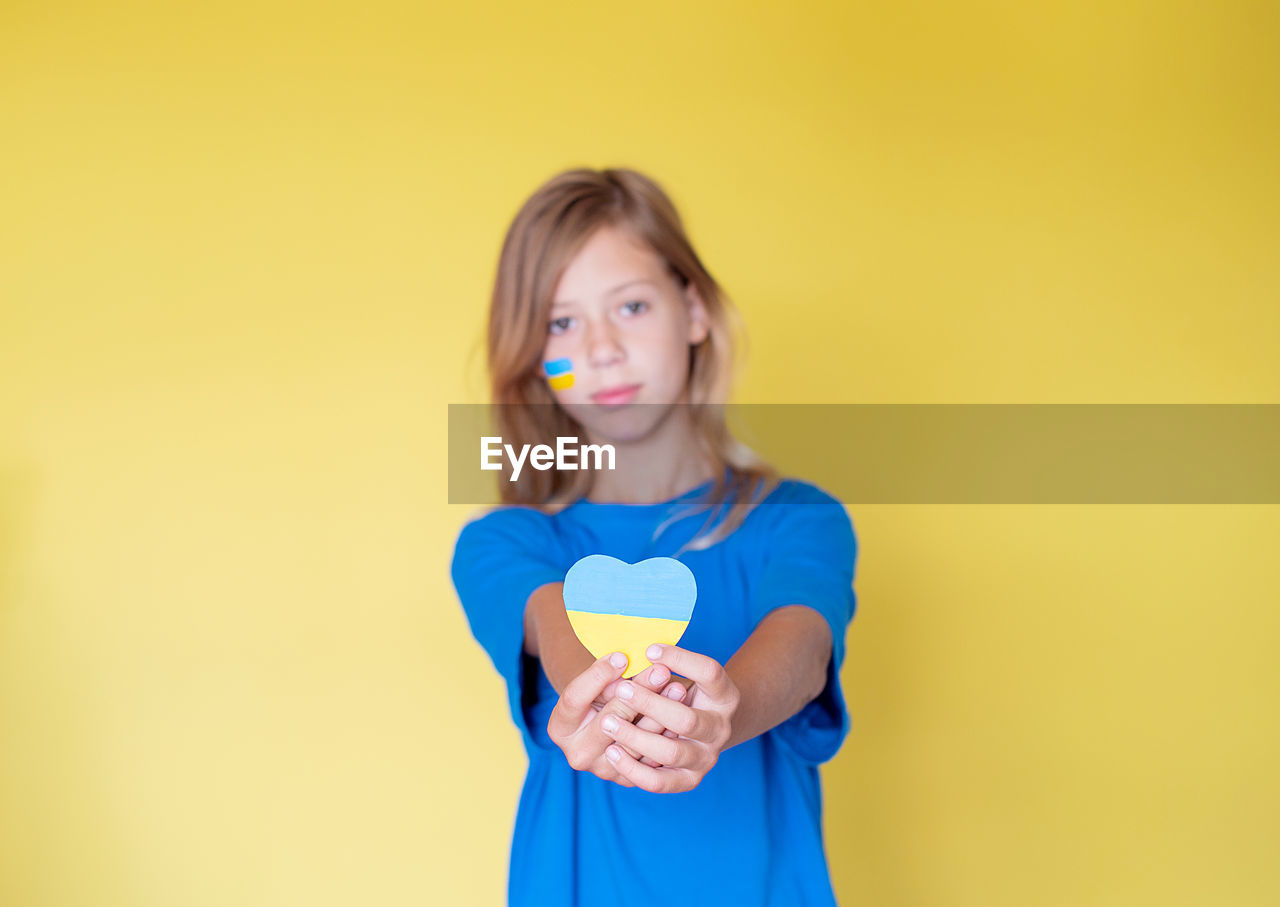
pixel 751 832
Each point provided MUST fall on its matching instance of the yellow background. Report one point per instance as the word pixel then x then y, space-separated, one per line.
pixel 245 252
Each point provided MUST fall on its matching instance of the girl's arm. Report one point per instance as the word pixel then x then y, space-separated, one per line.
pixel 549 637
pixel 780 669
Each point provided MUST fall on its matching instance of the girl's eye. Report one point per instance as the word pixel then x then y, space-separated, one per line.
pixel 642 305
pixel 560 325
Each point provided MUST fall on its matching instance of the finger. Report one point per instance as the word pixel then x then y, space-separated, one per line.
pixel 652 677
pixel 606 772
pixel 648 724
pixel 703 670
pixel 603 739
pixel 672 715
pixel 622 709
pixel 673 691
pixel 655 780
pixel 677 692
pixel 662 750
pixel 575 701
pixel 655 677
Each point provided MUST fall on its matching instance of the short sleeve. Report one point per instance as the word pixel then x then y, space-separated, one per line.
pixel 498 561
pixel 809 554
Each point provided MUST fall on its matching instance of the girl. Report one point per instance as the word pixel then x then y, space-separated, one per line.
pixel 698 777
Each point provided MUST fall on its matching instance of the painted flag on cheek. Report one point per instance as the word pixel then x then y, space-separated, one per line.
pixel 559 373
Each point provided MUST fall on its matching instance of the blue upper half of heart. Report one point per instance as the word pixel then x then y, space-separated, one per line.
pixel 656 587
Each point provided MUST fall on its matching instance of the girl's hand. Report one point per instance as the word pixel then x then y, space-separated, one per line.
pixel 702 725
pixel 658 679
pixel 573 724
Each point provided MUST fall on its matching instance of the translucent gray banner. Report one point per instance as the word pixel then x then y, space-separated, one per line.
pixel 1048 453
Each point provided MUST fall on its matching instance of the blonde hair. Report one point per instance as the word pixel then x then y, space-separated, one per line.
pixel 547 232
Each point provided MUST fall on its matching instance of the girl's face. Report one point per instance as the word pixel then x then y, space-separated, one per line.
pixel 626 325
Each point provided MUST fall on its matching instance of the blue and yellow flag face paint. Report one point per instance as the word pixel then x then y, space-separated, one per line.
pixel 559 372
pixel 614 606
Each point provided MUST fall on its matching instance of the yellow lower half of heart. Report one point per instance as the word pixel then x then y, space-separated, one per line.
pixel 605 633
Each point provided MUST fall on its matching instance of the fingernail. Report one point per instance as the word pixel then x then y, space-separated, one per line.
pixel 658 674
pixel 613 754
pixel 676 691
pixel 610 724
pixel 618 660
pixel 626 690
pixel 654 652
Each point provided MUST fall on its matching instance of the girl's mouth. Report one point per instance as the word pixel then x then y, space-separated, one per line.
pixel 613 395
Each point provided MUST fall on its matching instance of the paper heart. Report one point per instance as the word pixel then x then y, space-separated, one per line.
pixel 614 606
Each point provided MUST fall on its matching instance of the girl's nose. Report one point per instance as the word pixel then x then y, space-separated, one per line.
pixel 603 348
